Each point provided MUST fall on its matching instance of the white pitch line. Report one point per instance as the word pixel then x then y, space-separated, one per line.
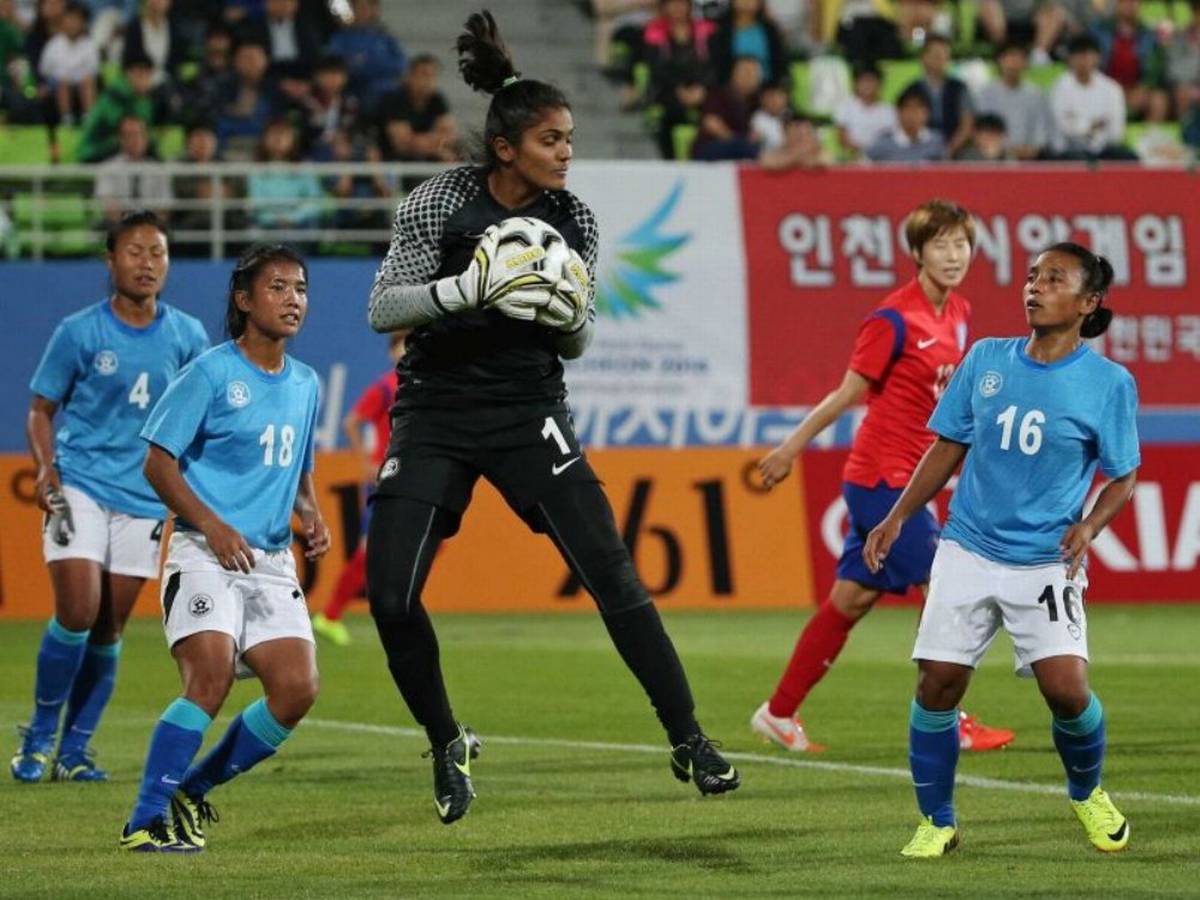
pixel 995 784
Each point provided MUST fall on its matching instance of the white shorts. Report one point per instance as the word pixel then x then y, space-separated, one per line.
pixel 122 544
pixel 198 595
pixel 971 598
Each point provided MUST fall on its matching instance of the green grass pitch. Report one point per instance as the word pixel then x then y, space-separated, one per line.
pixel 575 796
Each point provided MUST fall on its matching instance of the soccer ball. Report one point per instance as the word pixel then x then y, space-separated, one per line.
pixel 524 245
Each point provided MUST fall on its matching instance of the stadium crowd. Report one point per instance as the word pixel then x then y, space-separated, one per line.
pixel 267 80
pixel 803 82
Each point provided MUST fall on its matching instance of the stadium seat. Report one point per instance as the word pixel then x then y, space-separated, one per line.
pixel 897 75
pixel 831 143
pixel 1135 131
pixel 799 78
pixel 169 142
pixel 67 220
pixel 1043 77
pixel 682 138
pixel 1152 12
pixel 22 145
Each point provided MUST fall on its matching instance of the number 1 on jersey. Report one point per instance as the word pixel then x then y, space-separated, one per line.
pixel 551 430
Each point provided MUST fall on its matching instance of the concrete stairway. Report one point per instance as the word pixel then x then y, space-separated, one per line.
pixel 550 40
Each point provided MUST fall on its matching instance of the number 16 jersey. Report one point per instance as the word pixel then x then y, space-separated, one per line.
pixel 243 438
pixel 1036 432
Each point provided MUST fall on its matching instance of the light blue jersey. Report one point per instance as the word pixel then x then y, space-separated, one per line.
pixel 105 376
pixel 1036 433
pixel 242 437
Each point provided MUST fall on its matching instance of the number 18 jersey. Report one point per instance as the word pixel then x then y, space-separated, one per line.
pixel 1036 432
pixel 243 438
pixel 105 375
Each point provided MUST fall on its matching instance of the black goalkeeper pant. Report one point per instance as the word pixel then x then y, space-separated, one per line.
pixel 403 539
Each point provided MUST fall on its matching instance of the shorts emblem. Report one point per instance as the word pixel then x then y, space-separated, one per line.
pixel 200 605
pixel 390 468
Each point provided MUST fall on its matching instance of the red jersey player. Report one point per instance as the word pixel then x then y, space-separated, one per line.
pixel 905 353
pixel 373 410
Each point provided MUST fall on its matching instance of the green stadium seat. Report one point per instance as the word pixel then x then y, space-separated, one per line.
pixel 169 142
pixel 967 22
pixel 897 75
pixel 1152 12
pixel 1135 131
pixel 799 77
pixel 831 143
pixel 24 145
pixel 68 221
pixel 682 138
pixel 1181 14
pixel 1043 77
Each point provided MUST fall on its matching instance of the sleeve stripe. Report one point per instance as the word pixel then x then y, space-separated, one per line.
pixel 899 331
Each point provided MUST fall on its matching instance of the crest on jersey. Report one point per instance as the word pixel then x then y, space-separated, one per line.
pixel 960 334
pixel 390 468
pixel 105 362
pixel 238 394
pixel 990 383
pixel 200 605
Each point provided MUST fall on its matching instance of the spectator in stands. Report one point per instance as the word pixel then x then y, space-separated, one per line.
pixel 344 148
pixel 725 120
pixel 988 143
pixel 769 122
pixel 801 148
pixel 911 140
pixel 70 64
pixel 684 107
pixel 280 197
pixel 129 96
pixel 1160 140
pixel 201 95
pixel 13 66
pixel 327 107
pixel 1183 63
pixel 45 26
pixel 293 44
pixel 1021 106
pixel 1129 54
pixel 108 24
pixel 248 103
pixel 132 178
pixel 152 35
pixel 863 118
pixel 746 30
pixel 865 32
pixel 373 57
pixel 620 22
pixel 1040 22
pixel 201 149
pixel 674 41
pixel 415 122
pixel 951 111
pixel 1088 107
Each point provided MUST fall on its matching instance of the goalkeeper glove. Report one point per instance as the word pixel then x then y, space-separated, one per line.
pixel 60 523
pixel 568 306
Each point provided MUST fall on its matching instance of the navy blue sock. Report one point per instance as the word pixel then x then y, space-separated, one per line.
pixel 90 693
pixel 1080 742
pixel 251 737
pixel 176 738
pixel 58 661
pixel 933 757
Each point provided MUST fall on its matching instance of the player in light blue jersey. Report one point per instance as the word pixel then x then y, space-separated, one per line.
pixel 231 455
pixel 101 372
pixel 1034 418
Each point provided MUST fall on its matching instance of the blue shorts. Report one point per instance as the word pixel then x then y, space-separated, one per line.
pixel 911 557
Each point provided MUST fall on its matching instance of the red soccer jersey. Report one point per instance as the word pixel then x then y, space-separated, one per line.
pixel 375 406
pixel 908 351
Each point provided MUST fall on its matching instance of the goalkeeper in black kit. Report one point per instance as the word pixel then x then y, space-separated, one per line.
pixel 492 268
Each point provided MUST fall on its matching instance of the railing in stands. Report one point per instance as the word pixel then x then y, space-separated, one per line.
pixel 54 212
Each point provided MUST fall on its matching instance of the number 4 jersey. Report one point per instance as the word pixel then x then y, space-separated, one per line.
pixel 1037 432
pixel 243 438
pixel 105 375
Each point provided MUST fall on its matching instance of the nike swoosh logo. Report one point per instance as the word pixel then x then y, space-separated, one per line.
pixel 1119 833
pixel 784 736
pixel 559 469
pixel 466 770
pixel 442 810
pixel 168 780
pixel 928 342
pixel 1088 769
pixel 923 783
pixel 728 776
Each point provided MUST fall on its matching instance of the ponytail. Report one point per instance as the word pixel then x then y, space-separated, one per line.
pixel 248 266
pixel 1097 278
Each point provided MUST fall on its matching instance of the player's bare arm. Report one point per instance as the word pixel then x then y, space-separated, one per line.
pixel 934 470
pixel 777 465
pixel 39 430
pixel 316 533
pixel 1079 536
pixel 227 544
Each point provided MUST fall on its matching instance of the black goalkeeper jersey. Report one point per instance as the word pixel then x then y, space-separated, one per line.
pixel 477 358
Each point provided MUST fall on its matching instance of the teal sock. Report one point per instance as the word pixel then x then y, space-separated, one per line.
pixel 93 688
pixel 176 738
pixel 1081 744
pixel 59 657
pixel 254 735
pixel 933 757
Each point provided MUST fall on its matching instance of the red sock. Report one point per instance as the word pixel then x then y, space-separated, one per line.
pixel 350 584
pixel 819 645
